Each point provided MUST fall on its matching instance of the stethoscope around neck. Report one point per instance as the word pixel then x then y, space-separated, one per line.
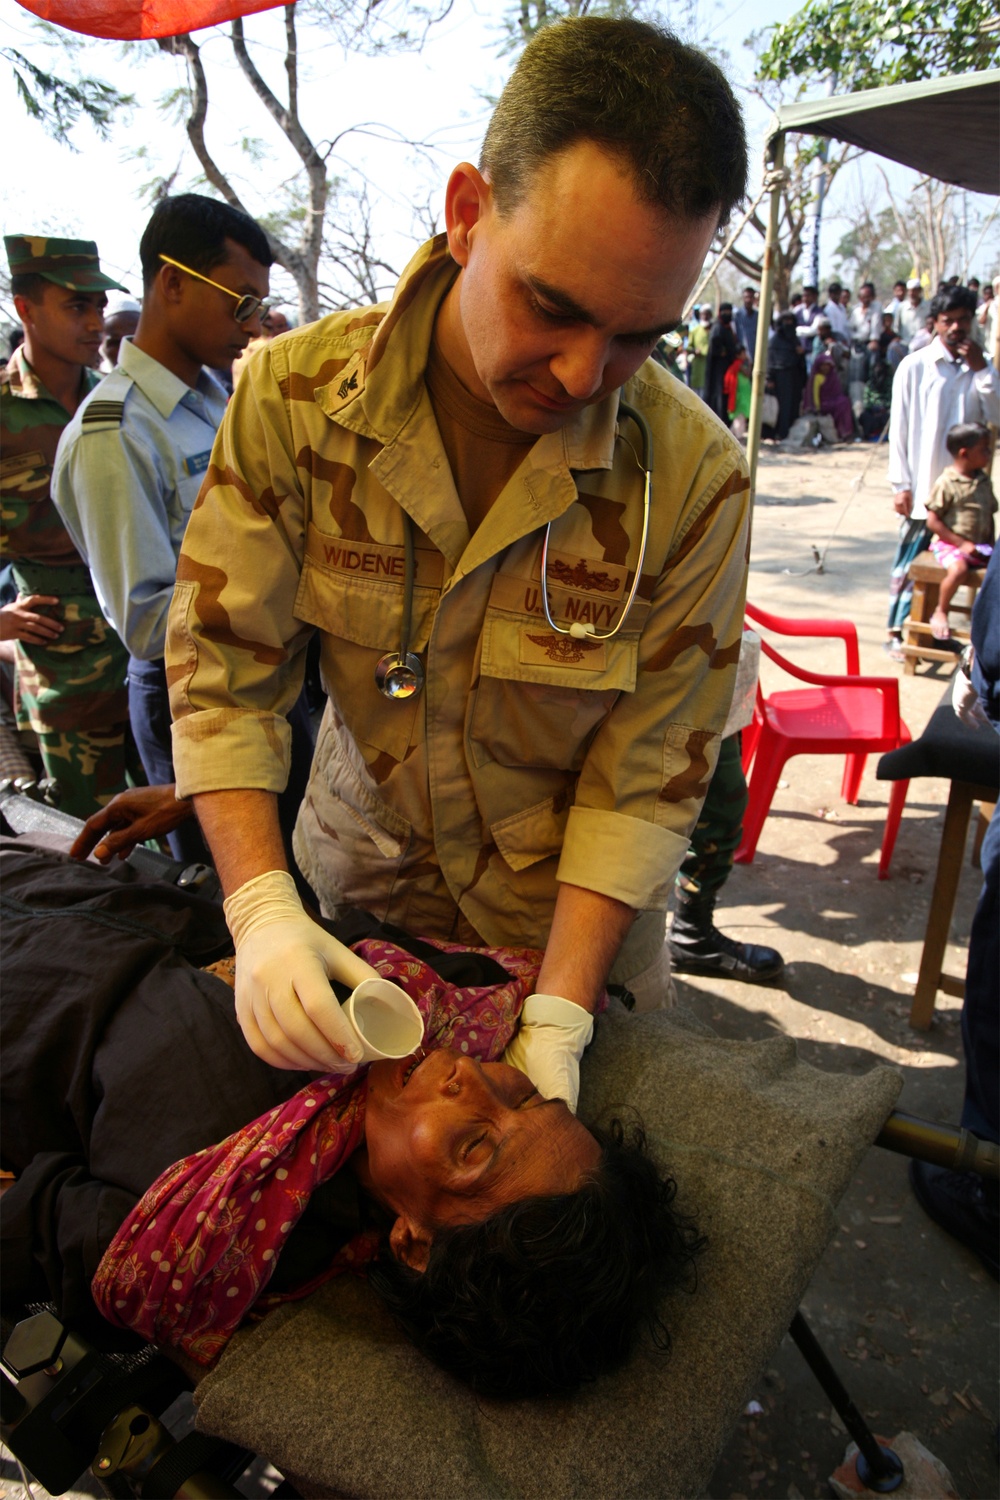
pixel 400 674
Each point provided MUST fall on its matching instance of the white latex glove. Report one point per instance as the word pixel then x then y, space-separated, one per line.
pixel 549 1044
pixel 284 962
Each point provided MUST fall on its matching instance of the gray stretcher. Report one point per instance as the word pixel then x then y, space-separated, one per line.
pixel 763 1146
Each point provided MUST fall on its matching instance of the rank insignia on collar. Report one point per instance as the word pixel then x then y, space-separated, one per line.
pixel 348 384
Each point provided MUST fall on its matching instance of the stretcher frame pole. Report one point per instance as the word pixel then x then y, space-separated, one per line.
pixel 878 1468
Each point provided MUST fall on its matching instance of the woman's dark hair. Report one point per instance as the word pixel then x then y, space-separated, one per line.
pixel 550 1292
pixel 193 229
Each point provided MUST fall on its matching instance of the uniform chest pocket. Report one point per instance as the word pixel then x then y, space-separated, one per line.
pixel 353 593
pixel 25 477
pixel 543 696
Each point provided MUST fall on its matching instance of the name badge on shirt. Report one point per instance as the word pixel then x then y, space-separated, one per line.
pixel 198 462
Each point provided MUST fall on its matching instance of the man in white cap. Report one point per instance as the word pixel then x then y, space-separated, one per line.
pixel 121 319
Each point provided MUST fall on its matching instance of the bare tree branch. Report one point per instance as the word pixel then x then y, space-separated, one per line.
pixel 185 46
pixel 302 259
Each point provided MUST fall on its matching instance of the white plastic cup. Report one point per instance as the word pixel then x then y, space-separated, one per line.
pixel 385 1020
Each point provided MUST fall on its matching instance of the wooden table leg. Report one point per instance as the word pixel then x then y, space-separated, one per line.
pixel 949 868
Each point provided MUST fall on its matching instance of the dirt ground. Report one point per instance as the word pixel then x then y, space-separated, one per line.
pixel 908 1317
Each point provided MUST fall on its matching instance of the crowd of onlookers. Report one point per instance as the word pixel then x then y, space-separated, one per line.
pixel 835 358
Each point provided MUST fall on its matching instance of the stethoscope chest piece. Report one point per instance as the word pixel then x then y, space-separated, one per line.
pixel 399 676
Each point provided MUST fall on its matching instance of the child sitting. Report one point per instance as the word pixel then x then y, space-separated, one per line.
pixel 960 514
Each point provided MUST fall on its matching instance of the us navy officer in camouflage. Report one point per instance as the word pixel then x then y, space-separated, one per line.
pixel 70 664
pixel 541 789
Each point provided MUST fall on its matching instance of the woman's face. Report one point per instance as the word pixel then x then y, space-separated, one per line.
pixel 454 1140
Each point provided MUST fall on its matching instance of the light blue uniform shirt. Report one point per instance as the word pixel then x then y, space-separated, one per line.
pixel 125 483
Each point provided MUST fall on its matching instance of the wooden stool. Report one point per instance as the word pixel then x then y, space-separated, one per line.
pixel 970 760
pixel 953 840
pixel 927 574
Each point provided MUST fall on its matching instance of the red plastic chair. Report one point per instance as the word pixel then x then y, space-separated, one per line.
pixel 846 715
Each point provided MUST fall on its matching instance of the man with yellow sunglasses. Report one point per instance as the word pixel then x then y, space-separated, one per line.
pixel 131 461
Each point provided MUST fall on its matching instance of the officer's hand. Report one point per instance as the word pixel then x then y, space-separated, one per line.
pixel 549 1045
pixel 19 622
pixel 902 502
pixel 289 1014
pixel 133 817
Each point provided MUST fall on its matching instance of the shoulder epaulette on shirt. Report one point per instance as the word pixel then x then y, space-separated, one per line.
pixel 106 407
pixel 103 414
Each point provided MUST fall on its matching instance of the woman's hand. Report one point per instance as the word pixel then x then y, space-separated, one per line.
pixel 19 622
pixel 133 817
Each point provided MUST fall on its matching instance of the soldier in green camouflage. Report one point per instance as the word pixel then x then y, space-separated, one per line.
pixel 696 944
pixel 70 687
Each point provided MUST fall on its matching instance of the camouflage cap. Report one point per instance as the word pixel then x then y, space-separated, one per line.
pixel 71 263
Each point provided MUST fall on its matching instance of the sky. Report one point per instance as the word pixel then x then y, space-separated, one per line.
pixel 438 96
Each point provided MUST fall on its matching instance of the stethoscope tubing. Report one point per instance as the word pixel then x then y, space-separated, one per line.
pixel 399 674
pixel 587 632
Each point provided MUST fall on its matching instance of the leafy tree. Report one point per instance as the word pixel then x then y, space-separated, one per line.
pixel 857 44
pixel 868 44
pixel 58 103
pixel 870 251
pixel 296 224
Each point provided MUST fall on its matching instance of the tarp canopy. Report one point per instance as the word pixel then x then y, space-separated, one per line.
pixel 138 20
pixel 943 127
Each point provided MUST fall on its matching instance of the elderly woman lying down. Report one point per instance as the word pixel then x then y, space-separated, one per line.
pixel 519 1250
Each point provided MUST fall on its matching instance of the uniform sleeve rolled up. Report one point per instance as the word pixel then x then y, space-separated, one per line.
pixel 648 769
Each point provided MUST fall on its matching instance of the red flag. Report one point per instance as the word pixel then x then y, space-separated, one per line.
pixel 136 20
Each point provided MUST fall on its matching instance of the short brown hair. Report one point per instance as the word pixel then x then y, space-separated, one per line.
pixel 663 108
pixel 29 284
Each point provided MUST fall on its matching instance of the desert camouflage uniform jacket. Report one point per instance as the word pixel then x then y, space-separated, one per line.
pixel 530 757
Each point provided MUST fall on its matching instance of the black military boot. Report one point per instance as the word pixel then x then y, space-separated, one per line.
pixel 697 947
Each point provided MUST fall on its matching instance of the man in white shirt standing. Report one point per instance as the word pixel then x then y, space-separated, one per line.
pixel 865 324
pixel 834 310
pixel 895 303
pixel 947 382
pixel 914 312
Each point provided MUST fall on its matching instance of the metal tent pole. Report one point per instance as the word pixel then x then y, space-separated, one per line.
pixel 775 179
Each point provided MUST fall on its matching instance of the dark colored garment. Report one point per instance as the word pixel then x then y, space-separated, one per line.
pixel 985 633
pixel 92 1111
pixel 786 372
pixel 788 389
pixel 120 1057
pixel 745 324
pixel 149 715
pixel 721 353
pixel 914 538
pixel 717 833
pixel 149 711
pixel 981 1009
